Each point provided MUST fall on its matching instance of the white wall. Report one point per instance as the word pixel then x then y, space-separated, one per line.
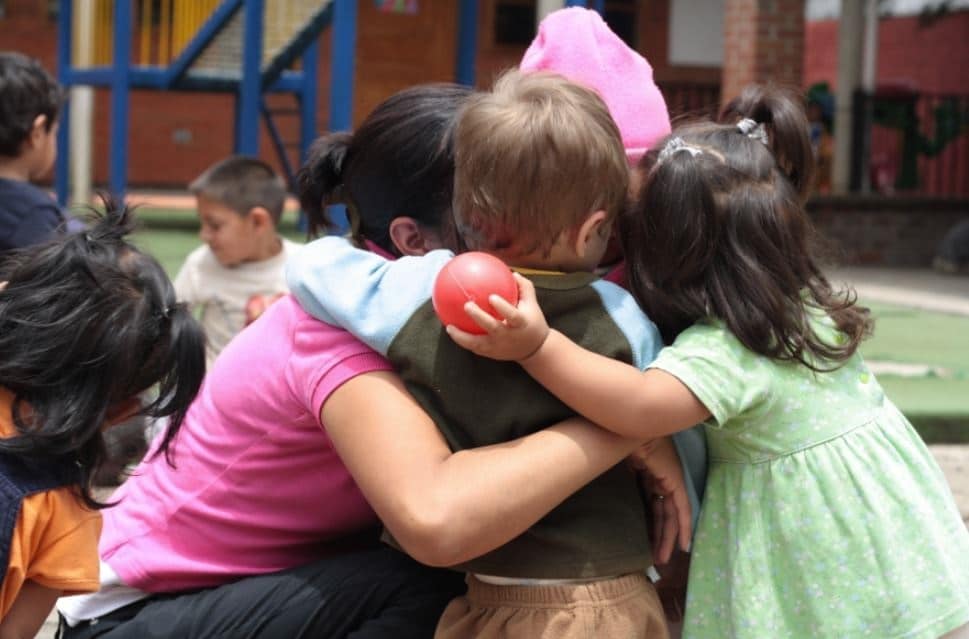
pixel 827 9
pixel 696 33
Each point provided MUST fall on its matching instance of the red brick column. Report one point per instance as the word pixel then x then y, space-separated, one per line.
pixel 763 42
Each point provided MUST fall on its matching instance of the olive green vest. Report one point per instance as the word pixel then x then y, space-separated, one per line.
pixel 600 530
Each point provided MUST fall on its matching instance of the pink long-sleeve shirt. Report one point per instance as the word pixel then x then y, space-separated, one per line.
pixel 257 486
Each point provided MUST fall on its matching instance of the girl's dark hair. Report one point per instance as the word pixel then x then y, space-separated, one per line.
pixel 781 111
pixel 719 231
pixel 26 91
pixel 400 161
pixel 87 322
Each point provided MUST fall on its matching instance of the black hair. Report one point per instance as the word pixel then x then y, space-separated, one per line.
pixel 781 111
pixel 26 91
pixel 719 231
pixel 400 161
pixel 242 183
pixel 88 322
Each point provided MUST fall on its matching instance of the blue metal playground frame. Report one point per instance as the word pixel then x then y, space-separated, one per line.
pixel 121 77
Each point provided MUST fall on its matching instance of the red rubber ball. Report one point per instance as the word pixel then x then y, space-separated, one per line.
pixel 471 277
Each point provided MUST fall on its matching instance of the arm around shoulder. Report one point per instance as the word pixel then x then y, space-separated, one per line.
pixel 615 395
pixel 445 508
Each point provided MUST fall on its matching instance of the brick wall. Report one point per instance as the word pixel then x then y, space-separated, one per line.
pixel 890 231
pixel 174 136
pixel 763 42
pixel 924 55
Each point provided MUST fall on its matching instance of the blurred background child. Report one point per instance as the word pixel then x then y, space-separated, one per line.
pixel 231 279
pixel 30 101
pixel 87 323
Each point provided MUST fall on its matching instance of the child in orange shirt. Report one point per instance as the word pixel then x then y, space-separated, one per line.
pixel 87 323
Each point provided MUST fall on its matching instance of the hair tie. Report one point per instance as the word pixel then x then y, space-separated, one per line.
pixel 754 130
pixel 675 145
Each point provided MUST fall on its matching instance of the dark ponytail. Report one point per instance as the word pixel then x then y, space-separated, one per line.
pixel 87 323
pixel 181 375
pixel 320 179
pixel 399 162
pixel 781 111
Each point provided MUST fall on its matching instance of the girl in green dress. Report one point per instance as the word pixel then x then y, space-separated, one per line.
pixel 824 514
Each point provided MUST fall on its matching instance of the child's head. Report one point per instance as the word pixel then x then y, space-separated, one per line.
pixel 87 323
pixel 240 200
pixel 540 170
pixel 398 165
pixel 719 231
pixel 30 101
pixel 578 44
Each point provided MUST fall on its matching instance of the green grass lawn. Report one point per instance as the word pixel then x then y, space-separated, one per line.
pixel 937 405
pixel 915 336
pixel 171 234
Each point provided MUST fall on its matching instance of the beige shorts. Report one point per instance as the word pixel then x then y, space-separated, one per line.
pixel 620 608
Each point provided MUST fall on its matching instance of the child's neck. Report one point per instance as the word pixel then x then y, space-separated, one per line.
pixel 556 260
pixel 269 248
pixel 14 169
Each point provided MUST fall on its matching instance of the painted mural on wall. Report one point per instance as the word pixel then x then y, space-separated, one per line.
pixel 397 6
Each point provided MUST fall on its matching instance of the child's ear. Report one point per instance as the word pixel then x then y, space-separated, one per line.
pixel 260 218
pixel 38 129
pixel 593 229
pixel 409 237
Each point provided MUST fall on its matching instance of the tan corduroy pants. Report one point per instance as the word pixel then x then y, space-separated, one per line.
pixel 626 607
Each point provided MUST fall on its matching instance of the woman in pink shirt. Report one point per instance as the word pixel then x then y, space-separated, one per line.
pixel 301 438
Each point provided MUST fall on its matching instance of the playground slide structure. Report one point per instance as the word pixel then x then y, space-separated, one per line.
pixel 250 48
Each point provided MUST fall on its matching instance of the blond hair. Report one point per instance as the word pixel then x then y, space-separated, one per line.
pixel 534 157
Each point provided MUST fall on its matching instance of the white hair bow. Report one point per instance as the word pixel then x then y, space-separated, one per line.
pixel 675 145
pixel 754 130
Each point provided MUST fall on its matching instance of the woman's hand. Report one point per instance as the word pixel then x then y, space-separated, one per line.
pixel 516 337
pixel 661 474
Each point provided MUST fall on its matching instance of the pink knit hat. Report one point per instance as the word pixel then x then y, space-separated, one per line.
pixel 579 45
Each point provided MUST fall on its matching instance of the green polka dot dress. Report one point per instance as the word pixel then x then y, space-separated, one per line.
pixel 824 513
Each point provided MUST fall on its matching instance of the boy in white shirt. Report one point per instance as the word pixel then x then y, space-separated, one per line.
pixel 238 272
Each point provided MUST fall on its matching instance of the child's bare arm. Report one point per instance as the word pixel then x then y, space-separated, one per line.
pixel 619 397
pixel 28 612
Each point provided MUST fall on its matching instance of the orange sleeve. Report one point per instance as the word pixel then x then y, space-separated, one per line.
pixel 61 541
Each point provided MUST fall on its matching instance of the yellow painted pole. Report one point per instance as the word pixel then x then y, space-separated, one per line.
pixel 165 32
pixel 99 42
pixel 144 43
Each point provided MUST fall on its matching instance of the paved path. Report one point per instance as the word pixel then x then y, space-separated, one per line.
pixel 918 288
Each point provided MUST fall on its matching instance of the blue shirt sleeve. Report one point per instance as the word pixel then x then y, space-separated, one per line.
pixel 360 291
pixel 646 343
